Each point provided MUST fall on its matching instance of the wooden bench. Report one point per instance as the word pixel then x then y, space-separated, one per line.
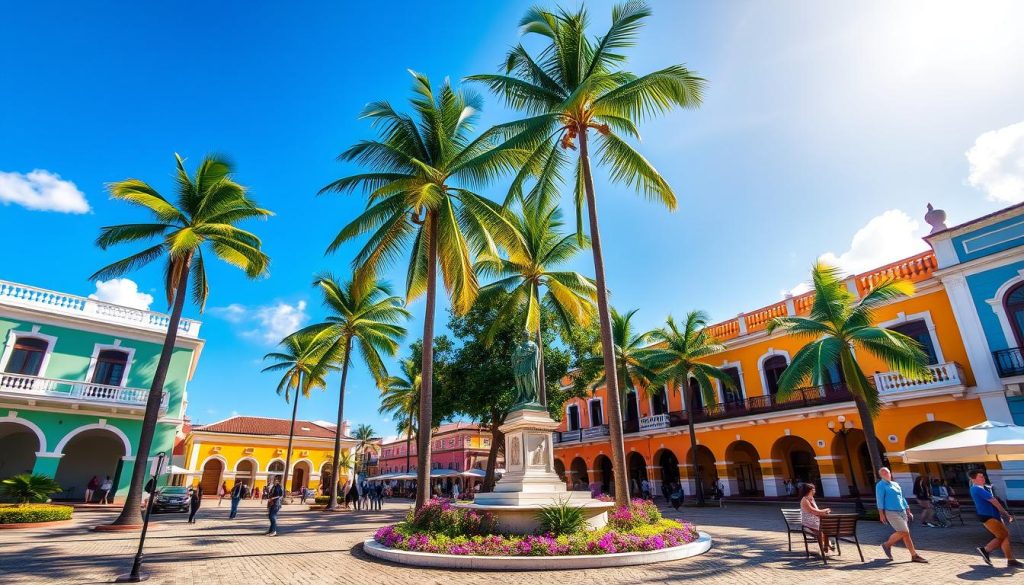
pixel 839 527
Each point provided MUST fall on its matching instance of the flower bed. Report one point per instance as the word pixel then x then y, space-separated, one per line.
pixel 33 513
pixel 443 529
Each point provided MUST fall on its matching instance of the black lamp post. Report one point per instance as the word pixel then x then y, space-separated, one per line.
pixel 137 575
pixel 843 429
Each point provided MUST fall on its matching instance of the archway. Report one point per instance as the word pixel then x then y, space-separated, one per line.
pixel 669 464
pixel 745 468
pixel 300 476
pixel 637 466
pixel 705 472
pixel 560 469
pixel 275 471
pixel 603 467
pixel 859 458
pixel 213 470
pixel 245 472
pixel 580 480
pixel 798 462
pixel 20 447
pixel 955 474
pixel 93 452
pixel 325 479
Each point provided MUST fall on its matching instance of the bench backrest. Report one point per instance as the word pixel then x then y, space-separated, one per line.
pixel 839 525
pixel 791 516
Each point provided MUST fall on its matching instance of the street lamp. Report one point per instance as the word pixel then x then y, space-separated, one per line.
pixel 137 575
pixel 842 429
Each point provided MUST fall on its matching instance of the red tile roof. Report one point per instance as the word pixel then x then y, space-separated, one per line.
pixel 257 425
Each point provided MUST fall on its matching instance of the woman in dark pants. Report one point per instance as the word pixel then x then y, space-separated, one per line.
pixel 194 501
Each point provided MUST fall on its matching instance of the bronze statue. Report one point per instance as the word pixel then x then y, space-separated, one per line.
pixel 525 370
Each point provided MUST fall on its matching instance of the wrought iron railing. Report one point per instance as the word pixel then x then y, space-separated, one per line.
pixel 1009 362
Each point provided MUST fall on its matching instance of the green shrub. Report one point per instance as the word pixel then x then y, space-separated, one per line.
pixel 27 488
pixel 323 499
pixel 561 518
pixel 21 514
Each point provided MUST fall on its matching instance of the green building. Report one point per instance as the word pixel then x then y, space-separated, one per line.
pixel 75 374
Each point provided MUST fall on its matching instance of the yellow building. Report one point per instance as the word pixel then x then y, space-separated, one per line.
pixel 253 449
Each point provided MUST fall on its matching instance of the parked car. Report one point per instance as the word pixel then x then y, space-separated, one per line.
pixel 171 499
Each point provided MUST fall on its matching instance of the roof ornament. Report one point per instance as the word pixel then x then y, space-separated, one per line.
pixel 935 218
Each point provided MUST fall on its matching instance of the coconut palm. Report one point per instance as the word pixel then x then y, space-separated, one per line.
pixel 28 488
pixel 400 396
pixel 204 214
pixel 421 172
pixel 363 435
pixel 576 84
pixel 305 358
pixel 366 314
pixel 631 356
pixel 676 355
pixel 838 325
pixel 529 268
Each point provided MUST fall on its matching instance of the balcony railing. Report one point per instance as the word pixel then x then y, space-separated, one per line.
pixel 658 421
pixel 1009 362
pixel 942 375
pixel 75 391
pixel 594 432
pixel 20 295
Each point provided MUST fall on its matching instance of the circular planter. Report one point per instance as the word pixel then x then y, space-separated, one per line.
pixel 20 525
pixel 537 563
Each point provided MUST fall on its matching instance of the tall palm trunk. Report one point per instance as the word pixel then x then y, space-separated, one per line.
pixel 408 440
pixel 131 513
pixel 427 383
pixel 852 374
pixel 332 503
pixel 497 440
pixel 618 446
pixel 291 436
pixel 687 400
pixel 542 389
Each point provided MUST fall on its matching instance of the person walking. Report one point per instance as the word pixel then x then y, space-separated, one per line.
pixel 992 516
pixel 195 500
pixel 677 496
pixel 923 494
pixel 222 492
pixel 645 489
pixel 90 488
pixel 455 491
pixel 275 497
pixel 105 496
pixel 256 492
pixel 237 493
pixel 894 510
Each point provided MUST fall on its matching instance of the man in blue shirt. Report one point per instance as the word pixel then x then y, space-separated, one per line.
pixel 991 514
pixel 894 511
pixel 275 497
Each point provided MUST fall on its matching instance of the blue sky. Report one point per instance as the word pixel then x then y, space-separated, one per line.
pixel 826 129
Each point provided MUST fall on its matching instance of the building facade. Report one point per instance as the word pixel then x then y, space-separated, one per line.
pixel 75 375
pixel 455 446
pixel 253 450
pixel 752 441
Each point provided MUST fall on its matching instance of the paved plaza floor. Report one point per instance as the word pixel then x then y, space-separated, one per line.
pixel 312 548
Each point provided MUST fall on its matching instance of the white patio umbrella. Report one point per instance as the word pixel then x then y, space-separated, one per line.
pixel 984 442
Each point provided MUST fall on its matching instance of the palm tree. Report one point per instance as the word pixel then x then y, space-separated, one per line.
pixel 364 312
pixel 573 86
pixel 28 488
pixel 305 358
pixel 400 396
pixel 676 356
pixel 208 206
pixel 570 296
pixel 420 173
pixel 363 434
pixel 836 326
pixel 631 356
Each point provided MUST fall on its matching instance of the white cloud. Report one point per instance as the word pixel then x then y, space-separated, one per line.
pixel 886 238
pixel 268 323
pixel 41 190
pixel 122 291
pixel 997 164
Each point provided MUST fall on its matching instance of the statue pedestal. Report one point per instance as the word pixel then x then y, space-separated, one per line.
pixel 530 482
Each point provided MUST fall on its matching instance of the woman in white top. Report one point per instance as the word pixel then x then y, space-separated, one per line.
pixel 810 514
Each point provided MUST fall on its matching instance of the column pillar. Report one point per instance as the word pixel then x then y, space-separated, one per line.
pixel 772 477
pixel 46 464
pixel 686 479
pixel 729 484
pixel 654 477
pixel 833 483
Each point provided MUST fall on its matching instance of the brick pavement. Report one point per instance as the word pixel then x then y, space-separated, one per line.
pixel 749 548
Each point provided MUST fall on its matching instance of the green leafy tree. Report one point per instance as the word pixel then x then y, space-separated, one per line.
pixel 676 355
pixel 363 435
pixel 29 488
pixel 837 325
pixel 305 358
pixel 631 358
pixel 363 313
pixel 400 397
pixel 576 84
pixel 208 206
pixel 419 181
pixel 530 267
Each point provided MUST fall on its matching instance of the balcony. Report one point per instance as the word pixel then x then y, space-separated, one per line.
pixel 658 421
pixel 30 297
pixel 17 385
pixel 1009 362
pixel 942 376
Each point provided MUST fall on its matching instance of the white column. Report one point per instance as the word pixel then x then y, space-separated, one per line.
pixel 833 486
pixel 772 484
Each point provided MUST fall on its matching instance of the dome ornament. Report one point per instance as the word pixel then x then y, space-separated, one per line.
pixel 935 218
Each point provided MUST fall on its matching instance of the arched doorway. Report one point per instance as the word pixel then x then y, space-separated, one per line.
pixel 705 473
pixel 245 472
pixel 637 466
pixel 798 462
pixel 605 477
pixel 325 479
pixel 275 471
pixel 300 476
pixel 560 469
pixel 955 474
pixel 669 464
pixel 580 480
pixel 93 452
pixel 20 445
pixel 213 470
pixel 859 458
pixel 745 468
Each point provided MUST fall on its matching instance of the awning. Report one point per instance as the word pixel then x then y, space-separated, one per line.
pixel 985 442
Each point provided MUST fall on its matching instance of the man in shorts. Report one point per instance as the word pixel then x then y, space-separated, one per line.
pixel 991 513
pixel 894 511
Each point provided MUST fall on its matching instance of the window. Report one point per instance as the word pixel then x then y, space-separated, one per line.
pixel 572 417
pixel 773 368
pixel 918 330
pixel 27 356
pixel 659 402
pixel 632 407
pixel 1015 312
pixel 487 442
pixel 596 414
pixel 732 394
pixel 110 367
pixel 696 396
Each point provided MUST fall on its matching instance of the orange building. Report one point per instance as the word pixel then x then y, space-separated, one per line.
pixel 751 441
